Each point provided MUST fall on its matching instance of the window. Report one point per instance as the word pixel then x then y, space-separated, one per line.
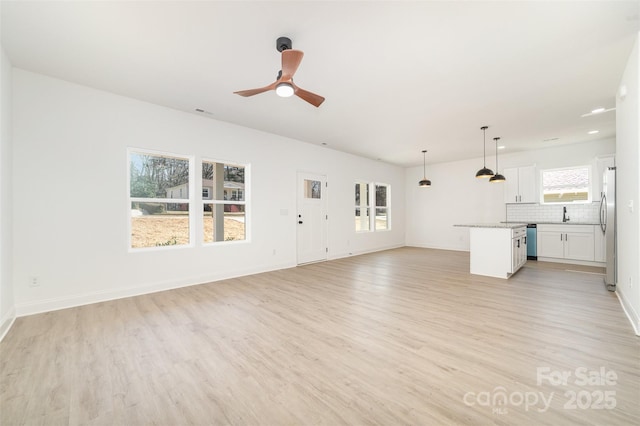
pixel 157 217
pixel 568 185
pixel 224 211
pixel 312 189
pixel 362 207
pixel 205 193
pixel 364 199
pixel 382 208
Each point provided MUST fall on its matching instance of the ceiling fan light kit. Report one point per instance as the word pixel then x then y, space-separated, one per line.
pixel 424 183
pixel 484 172
pixel 284 90
pixel 284 85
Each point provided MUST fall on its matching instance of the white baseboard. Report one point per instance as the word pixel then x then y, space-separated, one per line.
pixel 55 304
pixel 6 322
pixel 361 252
pixel 437 247
pixel 633 316
pixel 571 261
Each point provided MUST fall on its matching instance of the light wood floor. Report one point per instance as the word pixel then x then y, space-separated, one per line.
pixel 404 336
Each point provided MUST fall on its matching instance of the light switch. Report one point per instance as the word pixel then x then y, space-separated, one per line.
pixel 630 206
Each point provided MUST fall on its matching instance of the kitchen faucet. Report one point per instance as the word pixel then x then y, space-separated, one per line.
pixel 565 218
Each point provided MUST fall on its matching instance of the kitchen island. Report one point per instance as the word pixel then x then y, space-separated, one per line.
pixel 497 249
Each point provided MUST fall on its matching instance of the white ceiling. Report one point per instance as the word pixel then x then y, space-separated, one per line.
pixel 398 77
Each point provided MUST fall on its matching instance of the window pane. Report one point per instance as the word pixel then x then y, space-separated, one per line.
pixel 159 224
pixel 312 188
pixel 154 176
pixel 224 222
pixel 566 185
pixel 382 219
pixel 362 194
pixel 381 195
pixel 223 181
pixel 362 219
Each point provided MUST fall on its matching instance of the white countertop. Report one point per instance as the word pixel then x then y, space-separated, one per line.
pixel 558 223
pixel 503 225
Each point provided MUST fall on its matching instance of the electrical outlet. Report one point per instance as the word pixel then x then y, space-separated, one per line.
pixel 34 282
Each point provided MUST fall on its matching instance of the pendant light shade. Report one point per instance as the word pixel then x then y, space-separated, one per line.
pixel 424 182
pixel 497 177
pixel 484 172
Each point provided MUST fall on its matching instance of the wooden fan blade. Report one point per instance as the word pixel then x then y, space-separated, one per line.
pixel 312 98
pixel 290 62
pixel 252 92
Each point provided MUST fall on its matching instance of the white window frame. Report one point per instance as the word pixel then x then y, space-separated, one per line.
pixel 189 200
pixel 372 207
pixel 589 186
pixel 387 208
pixel 245 202
pixel 367 207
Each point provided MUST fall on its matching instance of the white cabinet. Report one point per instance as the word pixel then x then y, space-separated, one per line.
pixel 573 242
pixel 497 251
pixel 520 185
pixel 518 248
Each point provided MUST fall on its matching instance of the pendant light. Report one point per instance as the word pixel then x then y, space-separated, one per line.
pixel 484 172
pixel 424 183
pixel 497 177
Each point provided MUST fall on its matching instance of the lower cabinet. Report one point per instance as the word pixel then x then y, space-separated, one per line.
pixel 518 248
pixel 572 242
pixel 497 251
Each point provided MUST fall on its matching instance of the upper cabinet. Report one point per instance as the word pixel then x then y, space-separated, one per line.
pixel 520 186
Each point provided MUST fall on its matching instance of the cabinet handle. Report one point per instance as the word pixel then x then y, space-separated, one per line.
pixel 518 243
pixel 560 237
pixel 516 198
pixel 525 240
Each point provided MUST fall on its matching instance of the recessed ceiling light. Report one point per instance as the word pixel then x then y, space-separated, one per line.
pixel 593 132
pixel 598 110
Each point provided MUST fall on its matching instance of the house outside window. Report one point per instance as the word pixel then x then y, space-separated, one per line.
pixel 157 218
pixel 224 211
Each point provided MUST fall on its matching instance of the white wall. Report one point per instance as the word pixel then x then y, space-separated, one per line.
pixel 70 195
pixel 458 197
pixel 7 311
pixel 628 189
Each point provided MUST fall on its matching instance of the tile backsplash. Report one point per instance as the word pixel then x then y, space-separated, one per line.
pixel 537 213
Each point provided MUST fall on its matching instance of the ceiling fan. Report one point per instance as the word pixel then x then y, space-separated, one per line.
pixel 284 85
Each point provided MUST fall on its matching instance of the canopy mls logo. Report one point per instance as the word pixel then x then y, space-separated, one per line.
pixel 499 399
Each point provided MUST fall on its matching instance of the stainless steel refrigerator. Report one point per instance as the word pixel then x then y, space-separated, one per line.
pixel 608 226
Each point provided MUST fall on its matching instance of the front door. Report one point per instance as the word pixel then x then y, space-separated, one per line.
pixel 312 218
